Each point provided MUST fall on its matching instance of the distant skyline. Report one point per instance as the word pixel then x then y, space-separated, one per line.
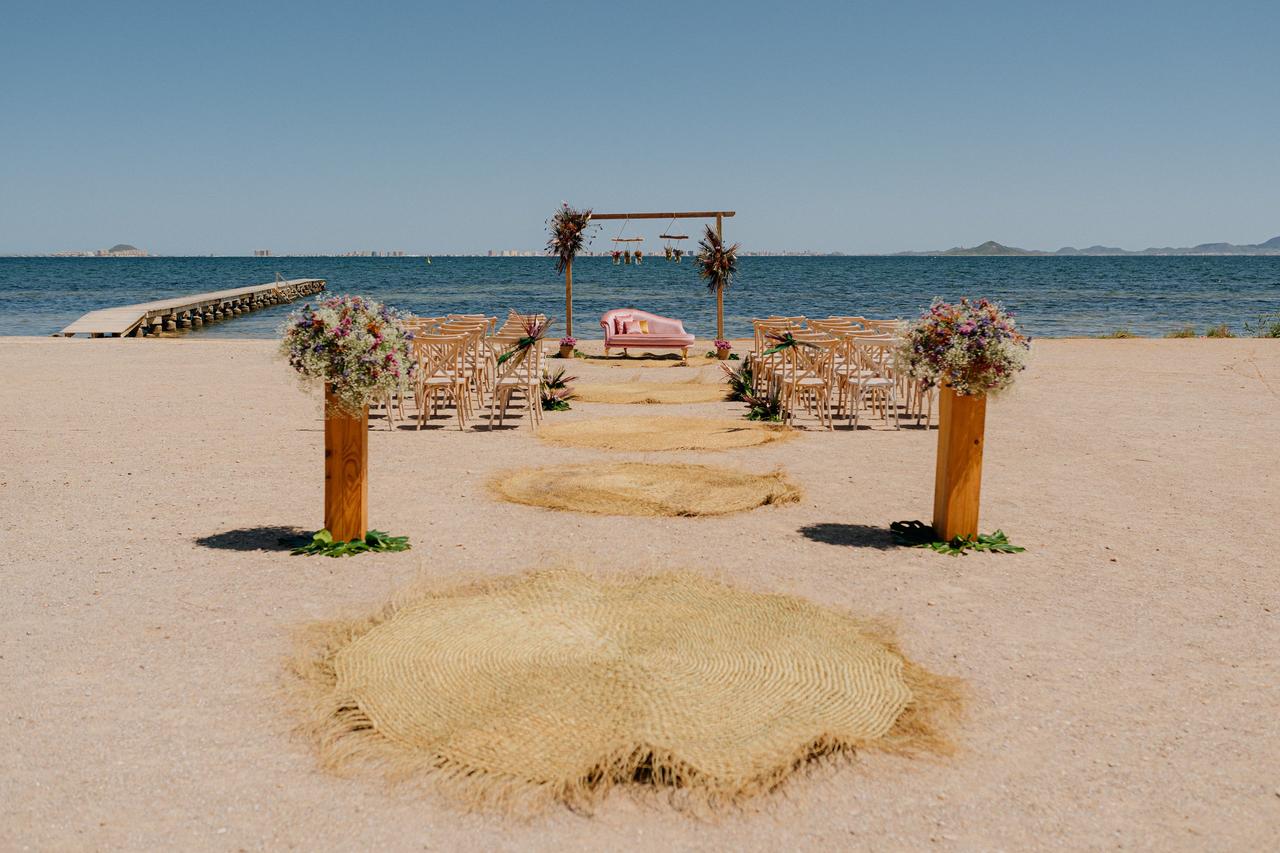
pixel 432 128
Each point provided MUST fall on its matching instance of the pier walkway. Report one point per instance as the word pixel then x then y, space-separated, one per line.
pixel 186 312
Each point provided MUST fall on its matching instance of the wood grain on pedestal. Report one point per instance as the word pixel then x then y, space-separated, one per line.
pixel 346 472
pixel 958 482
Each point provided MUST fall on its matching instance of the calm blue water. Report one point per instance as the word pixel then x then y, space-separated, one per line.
pixel 1053 296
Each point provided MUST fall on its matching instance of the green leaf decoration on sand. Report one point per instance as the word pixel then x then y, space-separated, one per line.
pixel 917 534
pixel 322 542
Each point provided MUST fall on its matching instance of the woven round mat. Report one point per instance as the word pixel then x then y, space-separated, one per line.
pixel 556 685
pixel 649 392
pixel 652 432
pixel 642 488
pixel 649 359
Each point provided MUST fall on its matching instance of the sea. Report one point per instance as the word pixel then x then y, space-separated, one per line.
pixel 1051 296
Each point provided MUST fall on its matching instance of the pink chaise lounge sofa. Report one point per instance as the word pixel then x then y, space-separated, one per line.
pixel 623 330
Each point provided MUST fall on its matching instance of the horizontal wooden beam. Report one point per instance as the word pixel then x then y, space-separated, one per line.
pixel 699 214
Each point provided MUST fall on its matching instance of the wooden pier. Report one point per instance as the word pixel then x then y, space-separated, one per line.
pixel 188 312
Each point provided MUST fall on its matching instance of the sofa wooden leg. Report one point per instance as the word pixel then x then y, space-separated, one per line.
pixel 606 352
pixel 684 353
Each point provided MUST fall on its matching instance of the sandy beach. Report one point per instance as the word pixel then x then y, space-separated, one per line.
pixel 1123 672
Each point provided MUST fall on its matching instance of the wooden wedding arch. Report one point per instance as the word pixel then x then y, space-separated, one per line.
pixel 718 215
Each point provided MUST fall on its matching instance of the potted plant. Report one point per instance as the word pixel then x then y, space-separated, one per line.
pixel 722 349
pixel 360 350
pixel 717 264
pixel 969 350
pixel 567 343
pixel 569 236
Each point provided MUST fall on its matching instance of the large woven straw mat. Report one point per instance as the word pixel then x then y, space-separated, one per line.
pixel 643 488
pixel 649 392
pixel 663 433
pixel 556 686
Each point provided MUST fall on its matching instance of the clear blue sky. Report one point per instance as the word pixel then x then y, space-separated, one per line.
pixel 222 127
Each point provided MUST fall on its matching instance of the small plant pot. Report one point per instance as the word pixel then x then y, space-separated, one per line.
pixel 566 351
pixel 722 354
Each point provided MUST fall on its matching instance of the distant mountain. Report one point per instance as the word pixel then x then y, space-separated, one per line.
pixel 993 249
pixel 989 248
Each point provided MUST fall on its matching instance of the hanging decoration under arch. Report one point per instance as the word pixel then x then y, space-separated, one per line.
pixel 671 248
pixel 622 251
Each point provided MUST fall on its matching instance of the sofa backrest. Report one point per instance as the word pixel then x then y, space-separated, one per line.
pixel 657 323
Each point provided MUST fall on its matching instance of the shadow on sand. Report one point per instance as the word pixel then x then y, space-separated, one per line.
pixel 257 539
pixel 850 535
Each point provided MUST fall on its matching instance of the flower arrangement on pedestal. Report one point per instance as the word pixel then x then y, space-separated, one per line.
pixel 969 350
pixel 361 350
pixel 973 348
pixel 567 343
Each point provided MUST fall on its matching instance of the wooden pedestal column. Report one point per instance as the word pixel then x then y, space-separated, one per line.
pixel 958 482
pixel 346 472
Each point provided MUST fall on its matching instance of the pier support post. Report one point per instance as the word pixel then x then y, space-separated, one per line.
pixel 958 477
pixel 346 471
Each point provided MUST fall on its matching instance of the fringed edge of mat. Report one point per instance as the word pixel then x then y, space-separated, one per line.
pixel 345 738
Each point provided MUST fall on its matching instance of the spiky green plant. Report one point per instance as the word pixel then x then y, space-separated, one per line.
pixel 717 264
pixel 740 381
pixel 555 391
pixel 1222 330
pixel 1184 332
pixel 766 406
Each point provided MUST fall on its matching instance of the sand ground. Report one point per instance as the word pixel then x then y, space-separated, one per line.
pixel 1125 671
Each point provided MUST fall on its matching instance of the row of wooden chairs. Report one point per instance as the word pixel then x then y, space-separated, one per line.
pixel 461 364
pixel 837 365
